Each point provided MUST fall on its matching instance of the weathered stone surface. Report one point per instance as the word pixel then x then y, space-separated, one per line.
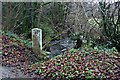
pixel 37 33
pixel 37 42
pixel 58 47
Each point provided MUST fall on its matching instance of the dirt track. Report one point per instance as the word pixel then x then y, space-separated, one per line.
pixel 11 72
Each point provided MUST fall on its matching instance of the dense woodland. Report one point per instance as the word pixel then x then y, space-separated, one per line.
pixel 80 39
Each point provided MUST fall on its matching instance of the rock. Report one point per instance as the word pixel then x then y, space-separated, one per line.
pixel 60 46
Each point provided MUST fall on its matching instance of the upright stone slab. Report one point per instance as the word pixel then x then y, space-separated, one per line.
pixel 37 40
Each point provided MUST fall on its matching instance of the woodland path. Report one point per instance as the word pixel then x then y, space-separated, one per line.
pixel 11 72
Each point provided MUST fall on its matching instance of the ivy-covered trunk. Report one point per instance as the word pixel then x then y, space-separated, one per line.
pixel 111 22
